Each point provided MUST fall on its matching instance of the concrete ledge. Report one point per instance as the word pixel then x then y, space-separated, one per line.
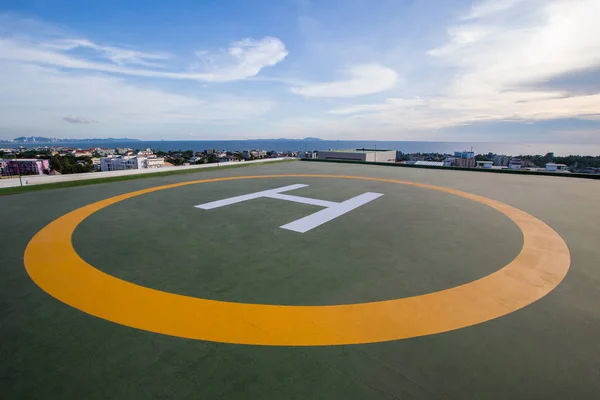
pixel 498 171
pixel 30 180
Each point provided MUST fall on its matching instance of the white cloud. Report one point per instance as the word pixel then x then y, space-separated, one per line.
pixel 498 63
pixel 494 54
pixel 79 120
pixel 247 58
pixel 243 59
pixel 36 99
pixel 490 7
pixel 120 56
pixel 360 79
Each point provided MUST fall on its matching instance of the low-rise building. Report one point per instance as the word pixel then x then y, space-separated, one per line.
pixel 123 150
pixel 485 164
pixel 119 163
pixel 25 166
pixel 552 167
pixel 501 160
pixel 254 153
pixel 465 159
pixel 82 153
pixel 3 165
pixel 464 162
pixel 104 152
pixel 367 155
pixel 144 159
pixel 428 163
pixel 96 163
pixel 515 163
pixel 302 154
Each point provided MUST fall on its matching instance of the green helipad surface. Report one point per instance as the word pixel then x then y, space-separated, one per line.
pixel 411 241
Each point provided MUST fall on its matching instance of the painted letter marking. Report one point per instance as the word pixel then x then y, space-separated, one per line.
pixel 331 209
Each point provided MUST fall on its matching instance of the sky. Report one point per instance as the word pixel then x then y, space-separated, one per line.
pixel 461 70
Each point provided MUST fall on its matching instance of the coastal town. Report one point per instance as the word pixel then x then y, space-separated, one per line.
pixel 58 160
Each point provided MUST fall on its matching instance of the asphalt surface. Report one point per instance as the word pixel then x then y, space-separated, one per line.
pixel 409 242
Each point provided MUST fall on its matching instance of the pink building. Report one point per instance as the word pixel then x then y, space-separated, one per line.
pixel 3 166
pixel 24 166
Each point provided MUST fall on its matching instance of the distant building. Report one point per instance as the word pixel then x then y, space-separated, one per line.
pixel 119 163
pixel 254 153
pixel 304 154
pixel 515 163
pixel 485 164
pixel 464 154
pixel 428 163
pixel 104 152
pixel 144 159
pixel 368 155
pixel 551 167
pixel 464 162
pixel 24 166
pixel 123 150
pixel 449 161
pixel 96 163
pixel 82 153
pixel 501 160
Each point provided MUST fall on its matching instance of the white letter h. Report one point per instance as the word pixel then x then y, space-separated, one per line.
pixel 332 209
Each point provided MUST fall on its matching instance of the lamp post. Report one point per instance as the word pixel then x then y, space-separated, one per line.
pixel 18 169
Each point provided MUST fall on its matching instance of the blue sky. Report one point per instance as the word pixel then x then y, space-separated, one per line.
pixel 484 70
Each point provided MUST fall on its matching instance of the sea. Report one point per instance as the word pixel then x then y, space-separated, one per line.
pixel 514 149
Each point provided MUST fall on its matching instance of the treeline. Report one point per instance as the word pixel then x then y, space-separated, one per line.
pixel 578 162
pixel 69 164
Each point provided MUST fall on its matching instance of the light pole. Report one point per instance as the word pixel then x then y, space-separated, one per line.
pixel 18 169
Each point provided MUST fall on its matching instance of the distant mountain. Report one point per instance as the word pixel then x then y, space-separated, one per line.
pixel 43 139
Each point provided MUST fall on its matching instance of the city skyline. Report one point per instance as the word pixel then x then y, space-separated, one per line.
pixel 505 71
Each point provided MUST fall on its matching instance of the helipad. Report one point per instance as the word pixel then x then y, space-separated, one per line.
pixel 303 280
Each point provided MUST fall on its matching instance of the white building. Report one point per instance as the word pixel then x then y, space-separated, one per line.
pixel 104 152
pixel 501 160
pixel 306 154
pixel 515 163
pixel 144 159
pixel 428 163
pixel 551 167
pixel 485 164
pixel 368 155
pixel 123 150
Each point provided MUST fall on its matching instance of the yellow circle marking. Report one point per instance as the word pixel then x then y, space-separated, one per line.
pixel 55 266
